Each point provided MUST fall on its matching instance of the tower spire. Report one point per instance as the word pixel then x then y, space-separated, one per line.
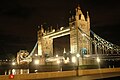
pixel 88 18
pixel 42 29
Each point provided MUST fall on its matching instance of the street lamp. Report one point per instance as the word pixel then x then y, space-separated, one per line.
pixel 56 55
pixel 13 63
pixel 98 59
pixel 36 62
pixel 77 55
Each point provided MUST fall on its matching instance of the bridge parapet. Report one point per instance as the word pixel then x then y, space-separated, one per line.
pixel 45 75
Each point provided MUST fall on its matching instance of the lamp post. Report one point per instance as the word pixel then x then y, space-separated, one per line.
pixel 98 61
pixel 78 55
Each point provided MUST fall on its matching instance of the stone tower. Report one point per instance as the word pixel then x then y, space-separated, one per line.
pixel 79 28
pixel 45 44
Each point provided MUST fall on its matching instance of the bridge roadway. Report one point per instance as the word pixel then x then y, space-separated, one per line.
pixel 103 76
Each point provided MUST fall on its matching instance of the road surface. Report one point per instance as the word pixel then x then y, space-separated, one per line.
pixel 108 76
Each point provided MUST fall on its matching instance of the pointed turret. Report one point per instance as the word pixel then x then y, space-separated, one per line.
pixel 79 14
pixel 88 18
pixel 88 23
pixel 82 17
pixel 78 11
pixel 42 29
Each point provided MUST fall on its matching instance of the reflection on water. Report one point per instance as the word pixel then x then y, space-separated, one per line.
pixel 16 71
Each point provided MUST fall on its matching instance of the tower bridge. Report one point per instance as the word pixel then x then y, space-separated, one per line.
pixel 76 22
pixel 81 41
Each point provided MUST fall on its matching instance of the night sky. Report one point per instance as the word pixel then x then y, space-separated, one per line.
pixel 19 20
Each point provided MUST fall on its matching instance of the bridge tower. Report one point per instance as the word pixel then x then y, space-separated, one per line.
pixel 45 44
pixel 78 41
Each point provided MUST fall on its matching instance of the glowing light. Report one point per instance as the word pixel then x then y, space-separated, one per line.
pixel 58 61
pixel 61 28
pixel 36 54
pixel 36 62
pixel 36 70
pixel 66 61
pixel 57 55
pixel 53 30
pixel 78 55
pixel 11 76
pixel 13 71
pixel 98 59
pixel 56 36
pixel 73 59
pixel 83 34
pixel 60 32
pixel 13 63
pixel 39 49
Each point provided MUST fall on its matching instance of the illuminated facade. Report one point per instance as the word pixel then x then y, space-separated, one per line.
pixel 77 39
pixel 78 42
pixel 21 57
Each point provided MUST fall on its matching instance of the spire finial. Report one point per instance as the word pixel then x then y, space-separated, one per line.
pixel 64 51
pixel 42 29
pixel 87 13
pixel 88 18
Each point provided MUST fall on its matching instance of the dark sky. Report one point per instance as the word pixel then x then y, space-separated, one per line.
pixel 19 20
